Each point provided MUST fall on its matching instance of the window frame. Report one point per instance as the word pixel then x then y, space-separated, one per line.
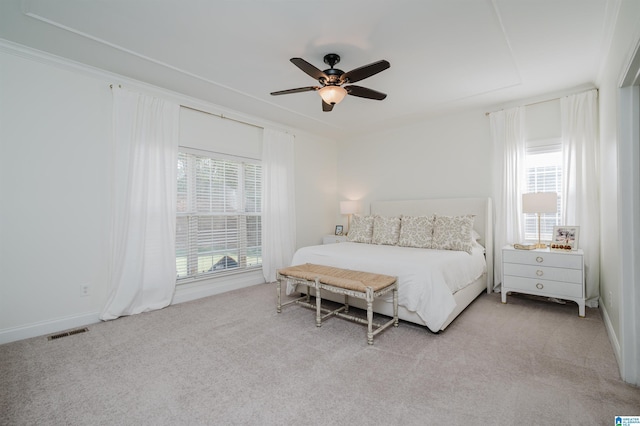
pixel 193 216
pixel 539 147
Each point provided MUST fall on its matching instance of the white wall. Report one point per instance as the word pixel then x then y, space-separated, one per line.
pixel 448 156
pixel 54 194
pixel 624 41
pixel 315 182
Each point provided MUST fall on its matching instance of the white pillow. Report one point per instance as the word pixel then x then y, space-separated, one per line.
pixel 361 229
pixel 453 233
pixel 386 230
pixel 416 231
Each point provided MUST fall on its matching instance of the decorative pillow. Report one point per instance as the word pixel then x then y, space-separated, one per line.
pixel 361 229
pixel 386 230
pixel 416 231
pixel 453 233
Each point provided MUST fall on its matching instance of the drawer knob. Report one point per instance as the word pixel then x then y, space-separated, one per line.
pixel 539 286
pixel 539 272
pixel 539 259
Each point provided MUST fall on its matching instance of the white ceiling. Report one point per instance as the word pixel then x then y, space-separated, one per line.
pixel 445 54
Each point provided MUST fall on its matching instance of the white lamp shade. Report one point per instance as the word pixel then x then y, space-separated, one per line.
pixel 349 207
pixel 332 94
pixel 540 202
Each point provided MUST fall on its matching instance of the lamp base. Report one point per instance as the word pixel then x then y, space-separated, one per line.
pixel 541 245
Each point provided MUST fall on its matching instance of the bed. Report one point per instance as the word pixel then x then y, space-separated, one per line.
pixel 434 285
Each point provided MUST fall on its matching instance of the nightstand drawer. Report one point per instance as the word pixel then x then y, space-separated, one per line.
pixel 563 260
pixel 333 239
pixel 542 287
pixel 543 272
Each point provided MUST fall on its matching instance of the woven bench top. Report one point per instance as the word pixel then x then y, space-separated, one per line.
pixel 343 278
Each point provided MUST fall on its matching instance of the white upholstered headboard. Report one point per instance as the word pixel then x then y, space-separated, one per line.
pixel 480 207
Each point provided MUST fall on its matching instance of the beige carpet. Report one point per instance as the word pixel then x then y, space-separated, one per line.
pixel 230 359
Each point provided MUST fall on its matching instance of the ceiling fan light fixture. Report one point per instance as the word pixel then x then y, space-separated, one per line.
pixel 332 94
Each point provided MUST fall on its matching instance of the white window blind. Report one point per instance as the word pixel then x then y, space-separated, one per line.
pixel 218 224
pixel 543 163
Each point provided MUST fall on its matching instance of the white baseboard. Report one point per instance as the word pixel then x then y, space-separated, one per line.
pixel 183 293
pixel 611 333
pixel 48 327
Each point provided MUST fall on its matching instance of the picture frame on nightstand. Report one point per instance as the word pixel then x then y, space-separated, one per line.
pixel 565 238
pixel 339 229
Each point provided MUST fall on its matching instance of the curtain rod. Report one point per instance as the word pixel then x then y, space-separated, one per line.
pixel 541 102
pixel 222 116
pixel 206 112
pixel 526 105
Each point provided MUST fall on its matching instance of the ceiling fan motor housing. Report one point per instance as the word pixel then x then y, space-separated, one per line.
pixel 333 73
pixel 334 76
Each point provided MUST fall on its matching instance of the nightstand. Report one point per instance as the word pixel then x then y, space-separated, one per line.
pixel 544 272
pixel 332 239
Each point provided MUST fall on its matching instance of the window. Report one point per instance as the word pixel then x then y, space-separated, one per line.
pixel 218 225
pixel 543 164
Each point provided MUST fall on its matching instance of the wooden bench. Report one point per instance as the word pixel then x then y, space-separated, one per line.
pixel 362 285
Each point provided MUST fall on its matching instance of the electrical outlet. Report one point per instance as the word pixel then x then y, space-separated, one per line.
pixel 84 290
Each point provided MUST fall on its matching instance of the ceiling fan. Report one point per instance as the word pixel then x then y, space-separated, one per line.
pixel 331 81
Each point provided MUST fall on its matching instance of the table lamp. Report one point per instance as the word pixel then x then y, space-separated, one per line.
pixel 539 203
pixel 349 207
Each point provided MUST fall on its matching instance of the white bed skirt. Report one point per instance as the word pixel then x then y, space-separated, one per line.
pixel 462 297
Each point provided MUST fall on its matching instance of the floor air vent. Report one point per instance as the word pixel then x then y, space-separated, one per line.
pixel 67 333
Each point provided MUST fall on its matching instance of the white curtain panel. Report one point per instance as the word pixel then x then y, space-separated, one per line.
pixel 278 202
pixel 580 198
pixel 507 132
pixel 142 270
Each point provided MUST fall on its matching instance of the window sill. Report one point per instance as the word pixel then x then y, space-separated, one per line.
pixel 217 275
pixel 196 288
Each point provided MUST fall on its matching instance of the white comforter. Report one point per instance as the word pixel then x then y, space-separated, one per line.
pixel 427 278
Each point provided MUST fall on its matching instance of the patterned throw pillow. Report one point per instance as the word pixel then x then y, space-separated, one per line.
pixel 453 233
pixel 386 230
pixel 361 229
pixel 416 231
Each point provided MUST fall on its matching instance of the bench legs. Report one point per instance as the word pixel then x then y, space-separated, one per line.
pixel 370 315
pixel 279 291
pixel 395 307
pixel 318 304
pixel 369 296
pixel 279 305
